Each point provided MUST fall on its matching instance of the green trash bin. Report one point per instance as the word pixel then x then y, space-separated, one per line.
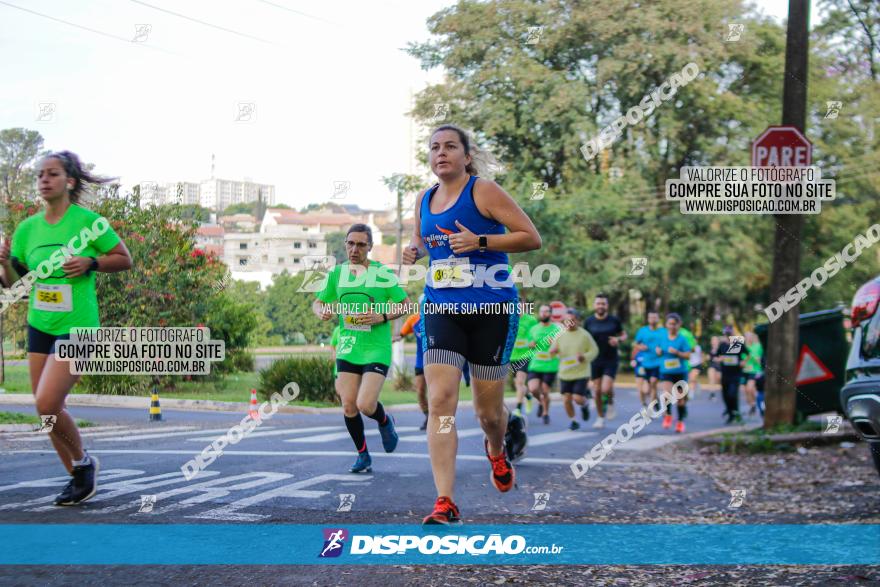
pixel 821 363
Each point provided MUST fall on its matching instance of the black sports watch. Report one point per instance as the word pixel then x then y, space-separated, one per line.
pixel 94 265
pixel 484 242
pixel 385 318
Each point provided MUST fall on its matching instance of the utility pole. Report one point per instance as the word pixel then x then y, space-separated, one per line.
pixel 782 341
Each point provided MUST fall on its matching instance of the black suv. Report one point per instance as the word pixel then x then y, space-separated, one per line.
pixel 860 397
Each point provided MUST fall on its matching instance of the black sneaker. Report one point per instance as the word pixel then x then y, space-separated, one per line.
pixel 85 483
pixel 585 413
pixel 574 425
pixel 515 440
pixel 65 494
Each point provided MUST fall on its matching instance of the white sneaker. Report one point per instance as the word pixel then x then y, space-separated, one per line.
pixel 599 423
pixel 610 412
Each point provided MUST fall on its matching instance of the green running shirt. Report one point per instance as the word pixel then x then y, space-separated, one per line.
pixel 58 303
pixel 362 345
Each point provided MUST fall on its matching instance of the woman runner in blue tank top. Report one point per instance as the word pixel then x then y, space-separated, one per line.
pixel 467 225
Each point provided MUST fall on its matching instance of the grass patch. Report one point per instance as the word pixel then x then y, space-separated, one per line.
pixel 233 388
pixel 19 418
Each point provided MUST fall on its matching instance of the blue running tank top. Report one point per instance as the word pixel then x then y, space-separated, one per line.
pixel 490 280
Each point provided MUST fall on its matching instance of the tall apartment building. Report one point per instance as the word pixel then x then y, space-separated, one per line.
pixel 217 194
pixel 160 193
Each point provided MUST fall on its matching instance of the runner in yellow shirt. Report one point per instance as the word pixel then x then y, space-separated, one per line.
pixel 576 349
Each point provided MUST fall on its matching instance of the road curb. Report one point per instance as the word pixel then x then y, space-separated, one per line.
pixel 199 405
pixel 193 405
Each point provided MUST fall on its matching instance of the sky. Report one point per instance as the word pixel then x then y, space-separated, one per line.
pixel 299 94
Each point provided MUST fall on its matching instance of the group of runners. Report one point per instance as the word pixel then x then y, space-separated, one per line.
pixel 462 220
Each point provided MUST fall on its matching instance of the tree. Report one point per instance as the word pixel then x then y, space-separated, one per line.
pixel 402 185
pixel 290 310
pixel 240 208
pixel 192 212
pixel 20 150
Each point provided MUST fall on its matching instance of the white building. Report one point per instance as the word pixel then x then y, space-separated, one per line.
pixel 218 194
pixel 175 192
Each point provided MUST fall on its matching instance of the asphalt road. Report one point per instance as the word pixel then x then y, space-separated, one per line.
pixel 294 469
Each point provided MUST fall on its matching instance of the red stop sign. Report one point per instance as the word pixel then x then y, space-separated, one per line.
pixel 782 146
pixel 557 311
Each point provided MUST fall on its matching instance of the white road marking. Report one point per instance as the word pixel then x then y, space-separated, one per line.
pixel 82 431
pixel 554 437
pixel 212 490
pixel 348 455
pixel 260 433
pixel 340 435
pixel 230 512
pixel 648 442
pixel 44 436
pixel 162 435
pixel 132 486
pixel 57 483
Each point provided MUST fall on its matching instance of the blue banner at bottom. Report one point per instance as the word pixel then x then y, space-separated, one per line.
pixel 351 544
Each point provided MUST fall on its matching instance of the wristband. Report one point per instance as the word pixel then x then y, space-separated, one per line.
pixel 384 318
pixel 94 265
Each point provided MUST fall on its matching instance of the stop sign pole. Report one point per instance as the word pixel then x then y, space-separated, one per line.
pixel 782 342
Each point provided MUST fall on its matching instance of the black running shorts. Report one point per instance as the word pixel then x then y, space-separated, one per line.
pixel 485 341
pixel 43 342
pixel 346 367
pixel 575 386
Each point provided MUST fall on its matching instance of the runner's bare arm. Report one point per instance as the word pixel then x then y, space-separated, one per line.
pixel 493 202
pixel 115 260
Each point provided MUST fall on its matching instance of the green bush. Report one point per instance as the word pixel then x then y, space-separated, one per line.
pixel 313 375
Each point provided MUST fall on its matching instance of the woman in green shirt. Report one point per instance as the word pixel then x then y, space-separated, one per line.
pixel 61 287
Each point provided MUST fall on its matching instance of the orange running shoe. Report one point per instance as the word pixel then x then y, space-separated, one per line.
pixel 445 513
pixel 502 475
pixel 667 421
pixel 679 427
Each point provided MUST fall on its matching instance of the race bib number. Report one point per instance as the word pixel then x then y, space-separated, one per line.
pixel 671 364
pixel 53 298
pixel 451 273
pixel 346 345
pixel 566 363
pixel 543 355
pixel 730 360
pixel 348 324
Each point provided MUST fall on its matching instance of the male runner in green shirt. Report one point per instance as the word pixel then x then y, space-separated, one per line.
pixel 542 367
pixel 367 297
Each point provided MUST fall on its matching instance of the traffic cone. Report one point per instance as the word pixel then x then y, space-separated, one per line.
pixel 253 413
pixel 155 409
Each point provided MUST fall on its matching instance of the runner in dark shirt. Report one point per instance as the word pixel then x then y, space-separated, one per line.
pixel 608 332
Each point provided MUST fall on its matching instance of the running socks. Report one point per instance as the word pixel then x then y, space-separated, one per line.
pixel 682 412
pixel 83 461
pixel 379 415
pixel 355 427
